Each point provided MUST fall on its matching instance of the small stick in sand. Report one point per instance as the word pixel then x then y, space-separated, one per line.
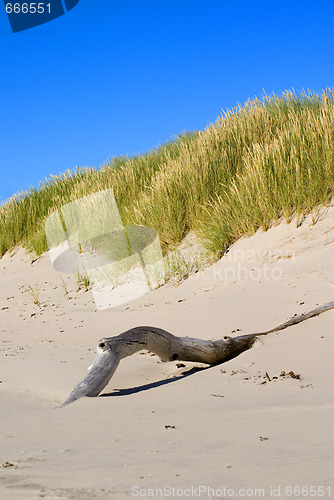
pixel 111 350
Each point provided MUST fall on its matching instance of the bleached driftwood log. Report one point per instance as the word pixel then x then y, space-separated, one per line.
pixel 168 347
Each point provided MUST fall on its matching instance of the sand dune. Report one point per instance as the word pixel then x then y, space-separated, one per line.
pixel 256 425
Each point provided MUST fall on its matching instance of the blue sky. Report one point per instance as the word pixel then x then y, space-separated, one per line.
pixel 120 77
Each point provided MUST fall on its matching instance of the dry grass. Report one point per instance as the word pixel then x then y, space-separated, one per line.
pixel 257 163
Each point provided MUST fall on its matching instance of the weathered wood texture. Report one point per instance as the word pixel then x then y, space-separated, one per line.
pixel 168 347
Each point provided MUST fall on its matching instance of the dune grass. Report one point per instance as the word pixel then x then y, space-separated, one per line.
pixel 256 164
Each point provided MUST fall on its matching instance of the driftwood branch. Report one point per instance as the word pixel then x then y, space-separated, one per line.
pixel 298 319
pixel 168 347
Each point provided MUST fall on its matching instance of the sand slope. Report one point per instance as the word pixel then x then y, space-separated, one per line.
pixel 230 426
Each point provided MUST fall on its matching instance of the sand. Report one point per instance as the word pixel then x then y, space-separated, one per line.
pixel 244 429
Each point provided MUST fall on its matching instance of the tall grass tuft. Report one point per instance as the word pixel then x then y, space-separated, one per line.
pixel 256 164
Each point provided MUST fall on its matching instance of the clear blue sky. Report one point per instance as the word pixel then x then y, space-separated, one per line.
pixel 116 77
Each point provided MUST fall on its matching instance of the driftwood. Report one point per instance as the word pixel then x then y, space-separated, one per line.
pixel 168 347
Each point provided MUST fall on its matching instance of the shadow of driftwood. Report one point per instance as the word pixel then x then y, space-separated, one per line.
pixel 152 385
pixel 169 347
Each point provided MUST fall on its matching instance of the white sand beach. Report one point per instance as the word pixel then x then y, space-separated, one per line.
pixel 252 427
